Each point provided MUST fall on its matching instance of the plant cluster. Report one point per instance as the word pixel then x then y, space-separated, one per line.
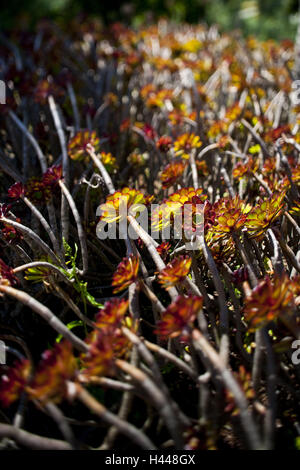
pixel 145 343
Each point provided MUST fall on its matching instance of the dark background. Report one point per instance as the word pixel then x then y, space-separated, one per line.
pixel 263 18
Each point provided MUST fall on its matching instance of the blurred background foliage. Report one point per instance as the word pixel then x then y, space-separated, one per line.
pixel 263 18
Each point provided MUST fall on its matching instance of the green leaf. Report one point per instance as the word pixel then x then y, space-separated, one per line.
pixel 79 286
pixel 70 326
pixel 237 293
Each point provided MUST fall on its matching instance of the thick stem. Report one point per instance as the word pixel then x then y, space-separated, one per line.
pixel 158 399
pixel 31 234
pixel 81 233
pixel 44 223
pixel 97 160
pixel 150 361
pixel 224 319
pixel 194 170
pixel 32 140
pixel 173 359
pixel 246 260
pixel 65 165
pixel 136 435
pixel 256 137
pixel 270 425
pixel 62 423
pixel 46 314
pixel 32 441
pixel 148 241
pixel 230 382
pixel 76 114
